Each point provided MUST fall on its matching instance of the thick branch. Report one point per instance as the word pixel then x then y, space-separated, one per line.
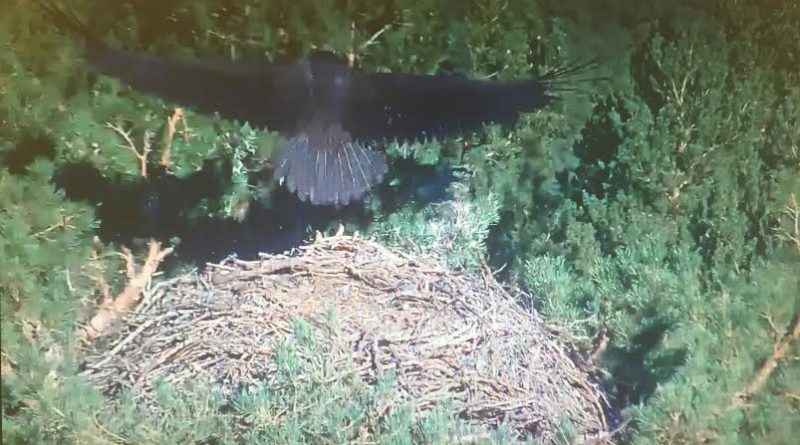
pixel 793 211
pixel 172 124
pixel 779 352
pixel 111 310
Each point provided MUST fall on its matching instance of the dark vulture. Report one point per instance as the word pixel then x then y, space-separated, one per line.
pixel 334 117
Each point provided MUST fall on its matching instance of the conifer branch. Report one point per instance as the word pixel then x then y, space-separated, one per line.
pixel 172 124
pixel 793 212
pixel 105 289
pixel 791 396
pixel 779 352
pixel 111 310
pixel 63 224
pixel 7 365
pixel 676 192
pixel 146 146
pixel 97 274
pixel 351 55
pixel 239 41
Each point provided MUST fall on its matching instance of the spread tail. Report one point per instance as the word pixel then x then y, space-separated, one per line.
pixel 328 168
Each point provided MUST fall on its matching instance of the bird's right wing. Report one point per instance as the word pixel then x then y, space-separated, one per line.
pixel 264 95
pixel 410 106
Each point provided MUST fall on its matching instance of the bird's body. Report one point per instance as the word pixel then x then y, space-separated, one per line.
pixel 333 116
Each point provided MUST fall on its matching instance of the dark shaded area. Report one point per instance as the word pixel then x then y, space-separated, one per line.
pixel 27 150
pixel 646 76
pixel 11 405
pixel 637 368
pixel 597 150
pixel 414 186
pixel 141 208
pixel 165 207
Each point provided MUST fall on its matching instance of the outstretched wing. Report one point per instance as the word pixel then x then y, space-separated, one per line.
pixel 327 167
pixel 275 97
pixel 409 106
pixel 272 96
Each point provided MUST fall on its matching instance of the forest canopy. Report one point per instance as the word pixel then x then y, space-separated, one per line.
pixel 654 217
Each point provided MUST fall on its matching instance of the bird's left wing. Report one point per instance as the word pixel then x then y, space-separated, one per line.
pixel 272 96
pixel 410 106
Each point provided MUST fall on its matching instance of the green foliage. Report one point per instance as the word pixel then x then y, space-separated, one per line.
pixel 656 212
pixel 455 230
pixel 313 397
pixel 43 253
pixel 46 278
pixel 675 246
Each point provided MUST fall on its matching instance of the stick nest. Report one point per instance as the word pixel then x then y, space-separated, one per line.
pixel 447 336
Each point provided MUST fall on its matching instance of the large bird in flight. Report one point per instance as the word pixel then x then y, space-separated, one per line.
pixel 334 118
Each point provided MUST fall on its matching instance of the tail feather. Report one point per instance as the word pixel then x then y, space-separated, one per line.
pixel 365 161
pixel 352 166
pixel 293 182
pixel 332 170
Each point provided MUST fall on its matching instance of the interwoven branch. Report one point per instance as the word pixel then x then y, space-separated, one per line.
pixel 445 335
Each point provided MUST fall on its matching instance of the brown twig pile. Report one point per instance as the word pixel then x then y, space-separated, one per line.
pixel 446 335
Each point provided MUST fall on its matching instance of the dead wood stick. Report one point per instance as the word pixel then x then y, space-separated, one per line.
pixel 146 149
pixel 779 352
pixel 278 266
pixel 172 128
pixel 110 311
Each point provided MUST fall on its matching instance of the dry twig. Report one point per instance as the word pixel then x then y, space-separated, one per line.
pixel 172 125
pixel 779 352
pixel 62 224
pixel 793 212
pixel 140 155
pixel 111 310
pixel 444 334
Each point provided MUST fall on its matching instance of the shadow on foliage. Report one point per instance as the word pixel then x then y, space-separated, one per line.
pixel 169 208
pixel 597 150
pixel 638 368
pixel 29 148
